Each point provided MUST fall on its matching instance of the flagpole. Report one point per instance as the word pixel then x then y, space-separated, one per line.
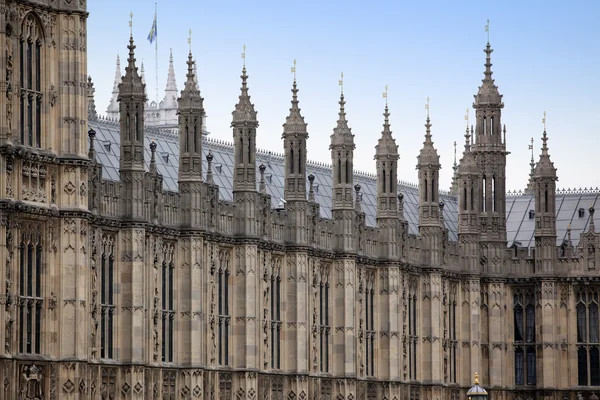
pixel 156 48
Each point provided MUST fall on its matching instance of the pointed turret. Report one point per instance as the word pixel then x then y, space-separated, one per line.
pixel 428 166
pixel 168 105
pixel 342 157
pixel 544 187
pixel 386 157
pixel 132 168
pixel 294 138
pixel 191 113
pixel 244 124
pixel 430 228
pixel 92 114
pixel 529 188
pixel 490 156
pixel 386 160
pixel 112 111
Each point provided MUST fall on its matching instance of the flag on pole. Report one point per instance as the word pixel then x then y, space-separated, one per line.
pixel 152 34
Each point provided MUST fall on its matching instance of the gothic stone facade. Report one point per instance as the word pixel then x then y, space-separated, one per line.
pixel 121 289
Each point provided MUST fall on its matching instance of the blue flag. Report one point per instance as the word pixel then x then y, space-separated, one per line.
pixel 152 34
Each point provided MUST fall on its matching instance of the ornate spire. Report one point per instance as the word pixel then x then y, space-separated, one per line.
pixel 132 82
pixel 191 99
pixel 454 185
pixel 143 78
pixel 467 163
pixel 386 145
pixel 244 111
pixel 196 76
pixel 112 111
pixel 92 114
pixel 170 100
pixel 294 123
pixel 342 134
pixel 544 167
pixel 428 154
pixel 488 92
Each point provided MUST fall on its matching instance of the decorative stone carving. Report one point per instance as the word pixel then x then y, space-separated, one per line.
pixel 31 383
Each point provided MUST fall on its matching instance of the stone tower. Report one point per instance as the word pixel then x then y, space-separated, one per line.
pixel 544 186
pixel 191 113
pixel 244 126
pixel 386 157
pixel 342 157
pixel 131 164
pixel 490 155
pixel 430 227
pixel 294 138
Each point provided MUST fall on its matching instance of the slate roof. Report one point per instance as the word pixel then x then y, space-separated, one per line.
pixel 572 206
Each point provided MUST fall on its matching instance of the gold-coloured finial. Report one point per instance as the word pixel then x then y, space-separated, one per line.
pixel 427 107
pixel 190 39
pixel 487 29
pixel 294 70
pixel 467 117
pixel 544 121
pixel 131 23
pixel 341 83
pixel 476 378
pixel 244 56
pixel 569 227
pixel 385 94
pixel 153 140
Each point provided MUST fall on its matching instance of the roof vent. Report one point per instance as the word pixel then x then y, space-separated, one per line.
pixel 107 145
pixel 581 212
pixel 165 157
pixel 531 214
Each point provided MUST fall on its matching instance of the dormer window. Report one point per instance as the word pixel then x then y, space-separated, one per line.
pixel 531 214
pixel 165 157
pixel 219 168
pixel 107 146
pixel 581 212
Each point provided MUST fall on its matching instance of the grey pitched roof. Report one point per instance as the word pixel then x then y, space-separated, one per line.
pixel 520 226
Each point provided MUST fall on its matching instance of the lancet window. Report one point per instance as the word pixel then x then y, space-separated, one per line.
pixel 30 290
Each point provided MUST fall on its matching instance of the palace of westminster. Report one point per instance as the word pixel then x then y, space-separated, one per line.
pixel 185 267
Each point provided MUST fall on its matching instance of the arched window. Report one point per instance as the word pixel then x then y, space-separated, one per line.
pixel 425 190
pixel 136 126
pixel 432 189
pixel 249 146
pixel 494 188
pixel 291 161
pixel 300 158
pixel 492 126
pixel 391 179
pixel 546 199
pixel 31 79
pixel 383 186
pixel 339 168
pixel 484 194
pixel 127 124
pixel 241 150
pixel 484 125
pixel 465 198
pixel 195 149
pixel 348 171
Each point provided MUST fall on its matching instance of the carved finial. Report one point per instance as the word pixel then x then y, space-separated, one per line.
pixel 385 95
pixel 427 107
pixel 190 39
pixel 311 191
pixel 294 70
pixel 263 184
pixel 467 118
pixel 487 29
pixel 153 146
pixel 209 171
pixel 244 56
pixel 476 378
pixel 92 136
pixel 544 121
pixel 131 23
pixel 341 83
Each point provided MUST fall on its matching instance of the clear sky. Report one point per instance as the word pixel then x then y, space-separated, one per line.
pixel 545 58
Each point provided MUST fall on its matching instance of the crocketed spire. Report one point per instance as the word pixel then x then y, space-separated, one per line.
pixel 386 145
pixel 545 168
pixel 342 134
pixel 244 111
pixel 131 84
pixel 112 111
pixel 92 114
pixel 191 99
pixel 170 100
pixel 428 154
pixel 294 123
pixel 488 92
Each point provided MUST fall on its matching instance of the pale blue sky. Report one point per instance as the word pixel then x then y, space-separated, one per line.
pixel 546 58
